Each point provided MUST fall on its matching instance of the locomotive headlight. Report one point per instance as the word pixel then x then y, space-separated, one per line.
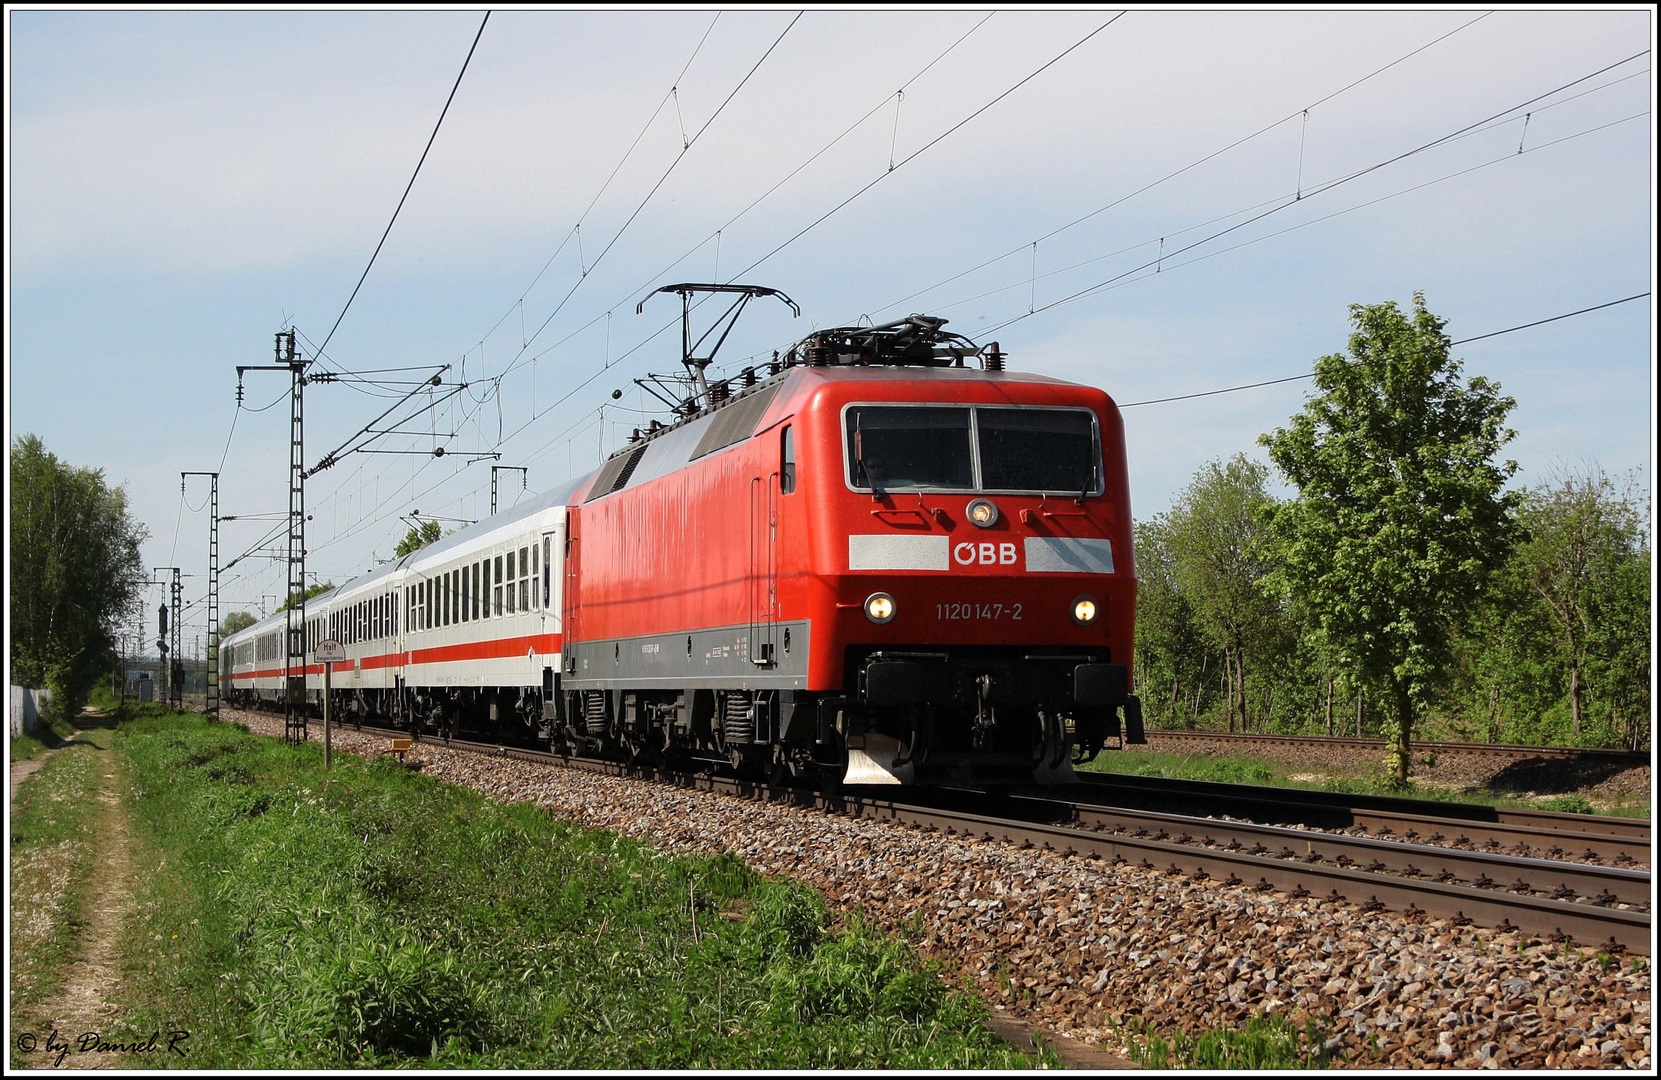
pixel 1084 610
pixel 879 607
pixel 983 512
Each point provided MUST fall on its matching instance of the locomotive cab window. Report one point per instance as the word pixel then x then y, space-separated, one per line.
pixel 893 447
pixel 976 448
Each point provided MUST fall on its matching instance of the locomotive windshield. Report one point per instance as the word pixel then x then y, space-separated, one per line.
pixel 892 447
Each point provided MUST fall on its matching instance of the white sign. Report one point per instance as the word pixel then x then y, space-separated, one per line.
pixel 330 652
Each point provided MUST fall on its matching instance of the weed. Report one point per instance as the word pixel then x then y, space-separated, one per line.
pixel 1265 1042
pixel 1567 804
pixel 1606 962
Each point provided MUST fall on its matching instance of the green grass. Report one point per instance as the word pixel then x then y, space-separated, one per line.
pixel 1271 1042
pixel 54 821
pixel 51 735
pixel 1372 781
pixel 376 917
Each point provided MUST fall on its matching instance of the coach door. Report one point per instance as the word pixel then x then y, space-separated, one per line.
pixel 570 616
pixel 552 550
pixel 763 578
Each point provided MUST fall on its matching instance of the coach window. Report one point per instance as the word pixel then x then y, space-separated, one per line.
pixel 787 464
pixel 496 589
pixel 547 554
pixel 512 579
pixel 524 584
pixel 536 593
pixel 466 596
pixel 476 594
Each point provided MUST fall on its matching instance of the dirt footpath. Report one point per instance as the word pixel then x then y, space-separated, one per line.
pixel 87 999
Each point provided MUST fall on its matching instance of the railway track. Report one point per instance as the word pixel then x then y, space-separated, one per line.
pixel 1541 833
pixel 1585 902
pixel 1245 740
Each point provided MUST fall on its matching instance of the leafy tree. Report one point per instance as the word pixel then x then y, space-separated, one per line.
pixel 1170 649
pixel 76 573
pixel 1215 537
pixel 1506 672
pixel 316 589
pixel 1587 559
pixel 1400 514
pixel 415 540
pixel 236 620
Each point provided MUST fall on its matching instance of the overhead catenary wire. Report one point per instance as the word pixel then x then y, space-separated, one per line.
pixel 730 222
pixel 1318 190
pixel 1311 374
pixel 685 149
pixel 926 147
pixel 1265 129
pixel 407 187
pixel 1167 266
pixel 575 230
pixel 937 139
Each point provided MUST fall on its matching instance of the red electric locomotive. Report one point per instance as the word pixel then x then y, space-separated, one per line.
pixel 882 559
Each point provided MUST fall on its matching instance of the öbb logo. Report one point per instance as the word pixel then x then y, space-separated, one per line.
pixel 968 554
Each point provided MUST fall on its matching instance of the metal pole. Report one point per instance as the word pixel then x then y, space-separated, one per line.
pixel 210 688
pixel 523 472
pixel 328 692
pixel 167 613
pixel 177 685
pixel 294 668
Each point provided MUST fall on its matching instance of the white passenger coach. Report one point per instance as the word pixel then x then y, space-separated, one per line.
pixel 463 631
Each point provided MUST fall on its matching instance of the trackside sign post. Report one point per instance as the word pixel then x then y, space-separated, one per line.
pixel 329 653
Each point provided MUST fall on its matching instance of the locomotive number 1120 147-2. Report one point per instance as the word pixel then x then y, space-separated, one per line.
pixel 955 612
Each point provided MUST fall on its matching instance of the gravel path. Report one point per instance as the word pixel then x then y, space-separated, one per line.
pixel 1076 946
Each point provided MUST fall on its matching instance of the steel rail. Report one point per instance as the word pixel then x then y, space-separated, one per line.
pixel 1635 757
pixel 1606 837
pixel 1590 924
pixel 1561 880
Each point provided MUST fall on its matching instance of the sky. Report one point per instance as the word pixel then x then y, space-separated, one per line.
pixel 1158 203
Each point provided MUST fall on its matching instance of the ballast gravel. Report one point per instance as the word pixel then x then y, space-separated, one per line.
pixel 1081 947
